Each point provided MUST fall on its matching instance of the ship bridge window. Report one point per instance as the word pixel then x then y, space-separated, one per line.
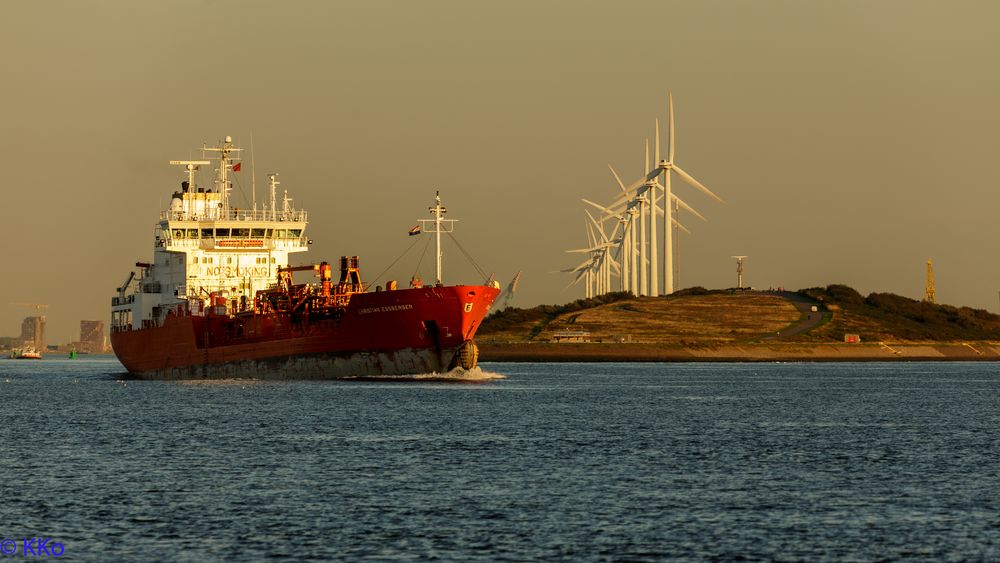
pixel 192 233
pixel 279 233
pixel 178 233
pixel 269 232
pixel 257 232
pixel 241 232
pixel 294 233
pixel 222 232
pixel 206 233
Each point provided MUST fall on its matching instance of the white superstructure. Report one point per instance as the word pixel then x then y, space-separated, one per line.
pixel 206 251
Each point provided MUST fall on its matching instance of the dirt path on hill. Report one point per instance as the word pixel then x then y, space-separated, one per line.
pixel 810 319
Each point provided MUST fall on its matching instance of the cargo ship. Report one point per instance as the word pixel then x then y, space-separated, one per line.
pixel 220 300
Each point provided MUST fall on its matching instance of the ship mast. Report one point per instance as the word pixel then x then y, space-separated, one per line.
pixel 438 211
pixel 440 226
pixel 225 162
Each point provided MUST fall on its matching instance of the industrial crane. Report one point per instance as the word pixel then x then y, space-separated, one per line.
pixel 38 307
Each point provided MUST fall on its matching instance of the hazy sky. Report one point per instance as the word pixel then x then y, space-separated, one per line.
pixel 852 141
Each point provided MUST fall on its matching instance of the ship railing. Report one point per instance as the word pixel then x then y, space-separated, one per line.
pixel 130 298
pixel 236 214
pixel 212 243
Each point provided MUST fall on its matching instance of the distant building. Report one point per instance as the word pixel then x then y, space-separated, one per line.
pixel 571 336
pixel 92 337
pixel 33 332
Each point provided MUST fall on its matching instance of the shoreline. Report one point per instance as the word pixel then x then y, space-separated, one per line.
pixel 785 352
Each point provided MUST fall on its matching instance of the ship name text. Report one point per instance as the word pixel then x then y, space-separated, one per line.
pixel 236 271
pixel 385 309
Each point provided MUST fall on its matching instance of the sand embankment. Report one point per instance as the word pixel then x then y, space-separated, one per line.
pixel 632 352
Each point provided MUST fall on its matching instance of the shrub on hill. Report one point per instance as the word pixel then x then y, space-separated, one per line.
pixel 696 290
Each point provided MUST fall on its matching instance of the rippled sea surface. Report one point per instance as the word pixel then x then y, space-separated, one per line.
pixel 555 462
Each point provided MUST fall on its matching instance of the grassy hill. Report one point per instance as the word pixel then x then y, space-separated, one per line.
pixel 889 317
pixel 697 315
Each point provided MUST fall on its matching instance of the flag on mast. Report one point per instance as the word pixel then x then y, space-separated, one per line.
pixel 237 166
pixel 415 230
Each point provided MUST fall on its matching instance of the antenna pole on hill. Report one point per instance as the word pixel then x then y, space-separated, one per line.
pixel 739 270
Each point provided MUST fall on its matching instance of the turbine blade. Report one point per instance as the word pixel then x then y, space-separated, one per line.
pixel 576 281
pixel 646 154
pixel 656 154
pixel 670 147
pixel 601 207
pixel 617 179
pixel 622 202
pixel 600 228
pixel 651 175
pixel 687 178
pixel 689 209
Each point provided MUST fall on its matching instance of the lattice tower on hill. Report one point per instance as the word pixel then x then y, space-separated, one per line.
pixel 930 295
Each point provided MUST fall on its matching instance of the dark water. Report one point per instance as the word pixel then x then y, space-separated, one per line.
pixel 572 462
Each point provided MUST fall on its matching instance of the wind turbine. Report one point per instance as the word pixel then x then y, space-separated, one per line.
pixel 665 168
pixel 598 268
pixel 632 202
pixel 625 243
pixel 605 262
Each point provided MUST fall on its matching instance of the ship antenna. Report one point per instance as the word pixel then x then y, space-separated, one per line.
pixel 273 178
pixel 253 177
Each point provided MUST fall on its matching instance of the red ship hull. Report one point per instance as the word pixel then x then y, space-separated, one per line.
pixel 401 332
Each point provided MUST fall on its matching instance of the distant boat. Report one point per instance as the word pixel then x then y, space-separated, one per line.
pixel 72 354
pixel 29 354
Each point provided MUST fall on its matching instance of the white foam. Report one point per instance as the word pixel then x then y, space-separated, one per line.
pixel 457 375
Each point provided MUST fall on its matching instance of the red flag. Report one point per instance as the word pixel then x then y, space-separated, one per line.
pixel 237 166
